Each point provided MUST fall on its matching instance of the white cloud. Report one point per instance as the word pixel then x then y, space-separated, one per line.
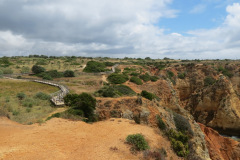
pixel 109 28
pixel 200 8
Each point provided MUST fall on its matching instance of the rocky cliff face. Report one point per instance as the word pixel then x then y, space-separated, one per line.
pixel 220 148
pixel 214 103
pixel 146 111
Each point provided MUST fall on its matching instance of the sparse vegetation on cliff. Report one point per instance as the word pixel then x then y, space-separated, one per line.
pixel 138 141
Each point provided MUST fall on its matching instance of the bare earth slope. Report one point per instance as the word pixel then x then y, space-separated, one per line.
pixel 63 139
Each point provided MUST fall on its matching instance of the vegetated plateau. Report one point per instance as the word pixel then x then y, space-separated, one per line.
pixel 146 109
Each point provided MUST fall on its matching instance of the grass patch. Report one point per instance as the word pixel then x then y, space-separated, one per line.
pixel 28 108
pixel 138 141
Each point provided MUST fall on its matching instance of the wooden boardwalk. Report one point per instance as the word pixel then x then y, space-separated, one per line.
pixel 57 97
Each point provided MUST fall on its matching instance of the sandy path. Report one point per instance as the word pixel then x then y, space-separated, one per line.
pixel 63 139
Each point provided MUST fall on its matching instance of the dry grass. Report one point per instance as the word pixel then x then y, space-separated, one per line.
pixel 82 83
pixel 17 109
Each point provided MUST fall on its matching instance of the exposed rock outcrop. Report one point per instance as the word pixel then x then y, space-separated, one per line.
pixel 220 148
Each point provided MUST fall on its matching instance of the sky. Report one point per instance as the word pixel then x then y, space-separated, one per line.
pixel 179 29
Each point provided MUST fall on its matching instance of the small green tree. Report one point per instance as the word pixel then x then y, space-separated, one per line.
pixel 138 142
pixel 68 73
pixel 37 69
pixel 84 102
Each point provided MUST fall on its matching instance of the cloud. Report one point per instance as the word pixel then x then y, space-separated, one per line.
pixel 109 28
pixel 200 8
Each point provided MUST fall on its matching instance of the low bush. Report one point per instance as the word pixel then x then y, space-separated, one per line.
pixel 209 81
pixel 160 123
pixel 49 75
pixel 154 78
pixel 83 102
pixel 28 102
pixel 145 77
pixel 182 124
pixel 136 80
pixel 93 67
pixel 21 95
pixel 109 64
pixel 42 96
pixel 37 69
pixel 115 91
pixel 179 142
pixel 181 75
pixel 116 78
pixel 225 72
pixel 135 74
pixel 149 95
pixel 170 74
pixel 138 141
pixel 68 73
pixel 124 90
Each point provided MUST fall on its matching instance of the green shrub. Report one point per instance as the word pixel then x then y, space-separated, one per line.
pixel 47 77
pixel 83 102
pixel 21 95
pixel 136 80
pixel 138 141
pixel 115 91
pixel 170 74
pixel 154 78
pixel 109 64
pixel 124 90
pixel 149 95
pixel 1 73
pixel 225 72
pixel 135 74
pixel 182 124
pixel 116 78
pixel 28 102
pixel 68 73
pixel 42 62
pixel 109 92
pixel 42 96
pixel 160 123
pixel 179 142
pixel 37 69
pixel 145 77
pixel 93 66
pixel 181 75
pixel 209 81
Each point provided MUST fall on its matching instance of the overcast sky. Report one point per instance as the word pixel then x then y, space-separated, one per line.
pixel 196 29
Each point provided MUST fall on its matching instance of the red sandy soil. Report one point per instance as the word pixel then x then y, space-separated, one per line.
pixel 64 139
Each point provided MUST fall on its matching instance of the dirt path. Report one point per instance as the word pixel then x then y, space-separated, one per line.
pixel 63 139
pixel 104 78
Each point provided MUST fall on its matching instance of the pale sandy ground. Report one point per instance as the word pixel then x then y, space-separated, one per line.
pixel 60 139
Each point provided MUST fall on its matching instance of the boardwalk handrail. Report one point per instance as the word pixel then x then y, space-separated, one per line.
pixel 56 97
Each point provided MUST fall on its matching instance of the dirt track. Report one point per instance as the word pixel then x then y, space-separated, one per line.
pixel 63 139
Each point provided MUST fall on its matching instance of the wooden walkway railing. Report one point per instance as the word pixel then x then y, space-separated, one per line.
pixel 56 97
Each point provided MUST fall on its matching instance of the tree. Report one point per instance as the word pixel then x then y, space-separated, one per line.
pixel 84 102
pixel 37 69
pixel 68 73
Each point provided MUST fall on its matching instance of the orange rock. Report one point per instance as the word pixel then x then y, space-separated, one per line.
pixel 219 147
